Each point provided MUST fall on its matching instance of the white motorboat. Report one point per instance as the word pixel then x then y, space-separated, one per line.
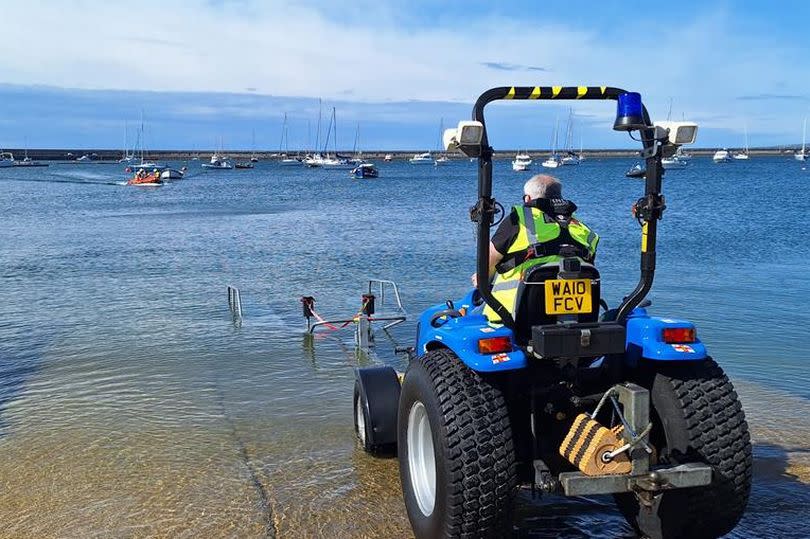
pixel 289 161
pixel 570 159
pixel 676 161
pixel 173 174
pixel 721 156
pixel 6 159
pixel 441 160
pixel 218 162
pixel 421 159
pixel 337 163
pixel 313 161
pixel 365 170
pixel 84 158
pixel 388 157
pixel 522 162
pixel 802 155
pixel 636 171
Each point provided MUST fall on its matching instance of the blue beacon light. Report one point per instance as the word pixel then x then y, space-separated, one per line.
pixel 629 115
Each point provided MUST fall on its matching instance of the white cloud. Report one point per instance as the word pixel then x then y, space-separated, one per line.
pixel 282 48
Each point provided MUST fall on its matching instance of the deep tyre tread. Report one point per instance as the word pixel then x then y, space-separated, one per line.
pixel 702 420
pixel 476 476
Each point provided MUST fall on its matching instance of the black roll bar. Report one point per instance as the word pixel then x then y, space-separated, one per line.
pixel 649 208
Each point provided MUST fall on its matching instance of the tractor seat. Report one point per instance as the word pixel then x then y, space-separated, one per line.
pixel 531 298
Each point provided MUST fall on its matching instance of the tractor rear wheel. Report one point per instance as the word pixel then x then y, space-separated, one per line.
pixel 456 453
pixel 696 417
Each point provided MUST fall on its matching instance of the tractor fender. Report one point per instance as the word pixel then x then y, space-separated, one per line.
pixel 461 335
pixel 645 340
pixel 379 392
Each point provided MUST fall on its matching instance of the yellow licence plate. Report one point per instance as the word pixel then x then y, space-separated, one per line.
pixel 568 296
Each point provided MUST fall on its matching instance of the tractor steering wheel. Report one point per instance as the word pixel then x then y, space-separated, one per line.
pixel 449 313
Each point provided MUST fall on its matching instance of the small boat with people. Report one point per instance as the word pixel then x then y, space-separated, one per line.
pixel 144 178
pixel 365 170
pixel 522 162
pixel 243 165
pixel 217 162
pixel 424 158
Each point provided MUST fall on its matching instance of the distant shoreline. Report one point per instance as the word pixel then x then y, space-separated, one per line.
pixel 107 155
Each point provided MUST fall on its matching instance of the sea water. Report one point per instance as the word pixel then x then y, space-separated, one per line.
pixel 132 404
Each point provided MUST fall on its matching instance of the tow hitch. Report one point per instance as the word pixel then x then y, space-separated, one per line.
pixel 602 464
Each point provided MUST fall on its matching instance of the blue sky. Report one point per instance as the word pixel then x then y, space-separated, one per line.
pixel 74 72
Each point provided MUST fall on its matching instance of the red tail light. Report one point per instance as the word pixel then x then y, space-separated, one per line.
pixel 494 345
pixel 679 335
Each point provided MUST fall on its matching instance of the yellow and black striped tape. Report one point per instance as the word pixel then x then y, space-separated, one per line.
pixel 560 92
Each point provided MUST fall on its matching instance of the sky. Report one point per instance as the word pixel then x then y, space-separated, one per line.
pixel 82 73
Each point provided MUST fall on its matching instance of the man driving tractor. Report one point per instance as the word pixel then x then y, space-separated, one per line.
pixel 541 230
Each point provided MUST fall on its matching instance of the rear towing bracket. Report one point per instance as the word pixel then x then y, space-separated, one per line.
pixel 631 404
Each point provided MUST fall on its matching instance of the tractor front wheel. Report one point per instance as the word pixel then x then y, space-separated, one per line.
pixel 696 417
pixel 456 454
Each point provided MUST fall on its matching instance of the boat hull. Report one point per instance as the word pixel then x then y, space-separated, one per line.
pixel 217 167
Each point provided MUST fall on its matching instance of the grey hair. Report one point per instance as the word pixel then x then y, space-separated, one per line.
pixel 543 186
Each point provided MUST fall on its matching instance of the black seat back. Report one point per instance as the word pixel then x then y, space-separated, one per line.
pixel 531 298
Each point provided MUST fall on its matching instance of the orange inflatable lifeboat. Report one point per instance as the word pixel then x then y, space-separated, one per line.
pixel 143 178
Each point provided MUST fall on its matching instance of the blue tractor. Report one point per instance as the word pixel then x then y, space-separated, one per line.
pixel 561 395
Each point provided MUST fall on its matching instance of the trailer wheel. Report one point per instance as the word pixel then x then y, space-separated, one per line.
pixel 361 419
pixel 456 453
pixel 697 417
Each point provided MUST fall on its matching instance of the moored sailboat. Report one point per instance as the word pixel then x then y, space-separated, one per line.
pixel 802 155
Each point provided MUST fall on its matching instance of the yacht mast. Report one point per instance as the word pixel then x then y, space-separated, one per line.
pixel 318 131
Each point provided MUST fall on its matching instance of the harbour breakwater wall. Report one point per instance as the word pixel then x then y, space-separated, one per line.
pixel 107 155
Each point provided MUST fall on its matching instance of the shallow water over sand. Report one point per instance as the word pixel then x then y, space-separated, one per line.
pixel 132 406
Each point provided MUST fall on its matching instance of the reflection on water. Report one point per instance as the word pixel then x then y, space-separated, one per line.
pixel 131 406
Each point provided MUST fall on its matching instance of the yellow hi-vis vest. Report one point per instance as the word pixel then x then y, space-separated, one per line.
pixel 535 230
